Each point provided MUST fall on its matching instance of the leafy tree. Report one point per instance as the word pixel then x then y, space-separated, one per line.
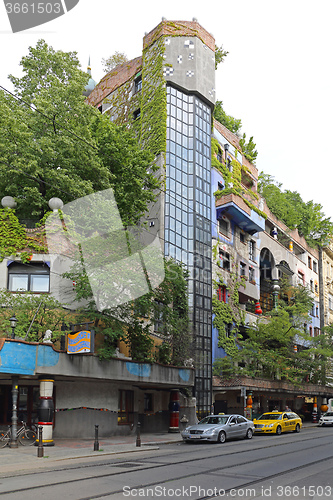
pixel 54 145
pixel 37 313
pixel 289 207
pixel 232 124
pixel 133 322
pixel 113 61
pixel 266 349
pixel 46 147
pixel 220 54
pixel 131 171
pixel 248 149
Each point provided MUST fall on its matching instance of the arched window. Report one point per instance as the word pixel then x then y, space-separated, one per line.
pixel 30 277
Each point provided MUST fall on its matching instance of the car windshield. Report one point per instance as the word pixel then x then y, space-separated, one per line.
pixel 214 420
pixel 270 416
pixel 328 414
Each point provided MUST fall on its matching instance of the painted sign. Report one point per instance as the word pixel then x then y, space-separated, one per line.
pixel 80 342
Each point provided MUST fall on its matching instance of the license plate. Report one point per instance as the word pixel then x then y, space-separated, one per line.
pixel 193 436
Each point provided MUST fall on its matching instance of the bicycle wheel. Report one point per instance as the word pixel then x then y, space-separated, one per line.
pixel 4 438
pixel 28 437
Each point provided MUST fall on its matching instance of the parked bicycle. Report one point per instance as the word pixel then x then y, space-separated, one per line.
pixel 25 436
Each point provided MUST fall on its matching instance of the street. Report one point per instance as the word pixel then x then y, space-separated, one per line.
pixel 287 466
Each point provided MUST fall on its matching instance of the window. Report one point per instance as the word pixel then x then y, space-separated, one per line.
pixel 330 301
pixel 136 114
pixel 315 266
pixel 29 277
pixel 241 237
pixel 222 293
pixel 309 263
pixel 224 227
pixel 251 275
pixel 159 325
pixel 300 276
pixel 224 260
pixel 242 269
pixel 138 84
pixel 126 407
pixel 220 186
pixel 311 285
pixel 252 250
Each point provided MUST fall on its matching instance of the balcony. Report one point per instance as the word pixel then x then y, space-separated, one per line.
pixel 33 359
pixel 240 213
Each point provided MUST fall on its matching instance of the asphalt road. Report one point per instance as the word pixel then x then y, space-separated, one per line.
pixel 290 466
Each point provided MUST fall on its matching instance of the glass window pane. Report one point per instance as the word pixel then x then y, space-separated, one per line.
pixel 39 283
pixel 18 282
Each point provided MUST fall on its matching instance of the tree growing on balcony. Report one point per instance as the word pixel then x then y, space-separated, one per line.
pixel 267 348
pixel 134 321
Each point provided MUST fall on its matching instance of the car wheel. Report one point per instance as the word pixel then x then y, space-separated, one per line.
pixel 278 430
pixel 221 437
pixel 297 428
pixel 249 434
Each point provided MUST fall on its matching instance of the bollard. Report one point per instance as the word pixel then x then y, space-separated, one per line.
pixel 96 443
pixel 40 449
pixel 138 438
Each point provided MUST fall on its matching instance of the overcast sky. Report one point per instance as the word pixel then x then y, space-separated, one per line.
pixel 277 77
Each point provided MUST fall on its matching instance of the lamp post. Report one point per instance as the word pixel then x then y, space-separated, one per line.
pixel 13 322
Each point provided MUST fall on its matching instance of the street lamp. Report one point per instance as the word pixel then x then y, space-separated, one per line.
pixel 13 320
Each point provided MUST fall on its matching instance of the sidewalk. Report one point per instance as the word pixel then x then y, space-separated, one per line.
pixel 24 458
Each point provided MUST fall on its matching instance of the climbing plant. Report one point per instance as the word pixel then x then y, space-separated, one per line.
pixel 14 239
pixel 234 178
pixel 228 315
pixel 153 100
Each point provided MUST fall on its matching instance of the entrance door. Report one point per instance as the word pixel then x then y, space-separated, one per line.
pixel 220 406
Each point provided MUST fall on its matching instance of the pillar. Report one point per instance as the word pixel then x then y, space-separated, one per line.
pixel 315 410
pixel 46 410
pixel 13 443
pixel 174 411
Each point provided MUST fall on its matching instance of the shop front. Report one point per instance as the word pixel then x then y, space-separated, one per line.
pixel 252 397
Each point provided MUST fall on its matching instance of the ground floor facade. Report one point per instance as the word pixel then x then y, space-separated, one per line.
pixel 253 397
pixel 72 394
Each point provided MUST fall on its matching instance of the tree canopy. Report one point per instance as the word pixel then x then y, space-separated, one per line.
pixel 113 61
pixel 134 321
pixel 288 206
pixel 235 125
pixel 266 348
pixel 55 145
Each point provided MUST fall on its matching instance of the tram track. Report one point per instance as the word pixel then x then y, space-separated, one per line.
pixel 135 466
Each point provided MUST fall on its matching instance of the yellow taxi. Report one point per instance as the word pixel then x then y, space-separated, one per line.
pixel 276 422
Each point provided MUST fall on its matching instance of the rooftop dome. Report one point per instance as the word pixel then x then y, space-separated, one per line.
pixel 91 83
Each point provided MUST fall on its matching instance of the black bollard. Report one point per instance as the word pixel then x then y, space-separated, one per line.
pixel 138 437
pixel 40 449
pixel 96 443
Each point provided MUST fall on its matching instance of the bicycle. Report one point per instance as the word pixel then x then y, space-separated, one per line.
pixel 25 436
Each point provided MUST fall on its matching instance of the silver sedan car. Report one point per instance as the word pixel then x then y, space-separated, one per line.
pixel 219 428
